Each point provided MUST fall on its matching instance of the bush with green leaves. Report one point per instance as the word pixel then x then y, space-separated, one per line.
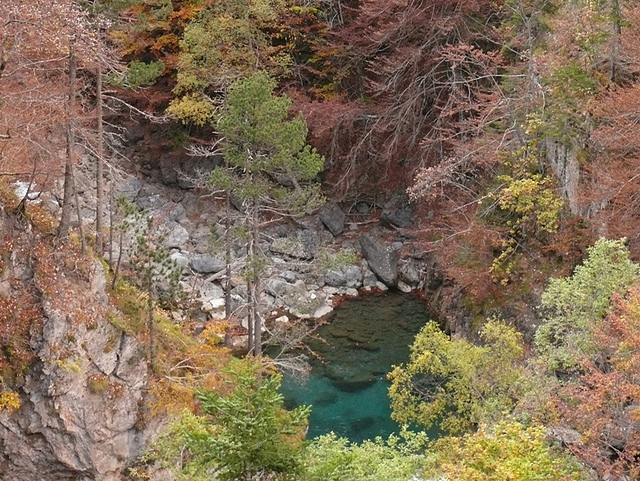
pixel 399 458
pixel 138 74
pixel 507 451
pixel 577 304
pixel 456 383
pixel 527 199
pixel 243 435
pixel 226 42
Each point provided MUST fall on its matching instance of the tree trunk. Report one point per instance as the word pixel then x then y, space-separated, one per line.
pixel 111 207
pixel 250 312
pixel 257 321
pixel 65 218
pixel 614 39
pixel 83 241
pixel 99 164
pixel 253 286
pixel 227 258
pixel 151 331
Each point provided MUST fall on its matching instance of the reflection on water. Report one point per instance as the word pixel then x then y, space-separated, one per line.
pixel 348 386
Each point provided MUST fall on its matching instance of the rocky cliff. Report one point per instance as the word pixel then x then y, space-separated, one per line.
pixel 81 380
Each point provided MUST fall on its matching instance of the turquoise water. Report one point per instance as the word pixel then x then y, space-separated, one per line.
pixel 347 388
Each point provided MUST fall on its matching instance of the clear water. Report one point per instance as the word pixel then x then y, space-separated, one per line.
pixel 347 388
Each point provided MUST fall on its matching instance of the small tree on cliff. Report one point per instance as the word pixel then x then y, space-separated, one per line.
pixel 154 271
pixel 268 167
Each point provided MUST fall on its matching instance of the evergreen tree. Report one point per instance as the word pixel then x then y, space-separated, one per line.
pixel 577 305
pixel 245 435
pixel 269 168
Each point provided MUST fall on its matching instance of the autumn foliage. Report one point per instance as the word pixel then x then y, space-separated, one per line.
pixel 608 395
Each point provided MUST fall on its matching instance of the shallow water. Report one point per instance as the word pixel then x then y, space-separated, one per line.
pixel 347 388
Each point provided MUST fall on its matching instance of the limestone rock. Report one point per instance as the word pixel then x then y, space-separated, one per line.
pixel 303 246
pixel 129 188
pixel 334 278
pixel 322 311
pixel 409 273
pixel 176 237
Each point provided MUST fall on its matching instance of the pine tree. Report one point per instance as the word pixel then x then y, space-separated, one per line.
pixel 269 168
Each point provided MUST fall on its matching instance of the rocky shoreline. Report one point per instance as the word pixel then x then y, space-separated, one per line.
pixel 313 262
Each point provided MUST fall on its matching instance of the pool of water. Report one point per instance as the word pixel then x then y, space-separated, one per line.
pixel 347 388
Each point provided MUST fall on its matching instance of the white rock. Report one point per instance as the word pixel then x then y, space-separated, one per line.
pixel 215 308
pixel 381 286
pixel 322 311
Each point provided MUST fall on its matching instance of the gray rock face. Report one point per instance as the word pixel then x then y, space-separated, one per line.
pixel 409 273
pixel 79 414
pixel 350 276
pixel 335 278
pixel 129 188
pixel 383 260
pixel 180 259
pixel 151 198
pixel 178 213
pixel 332 217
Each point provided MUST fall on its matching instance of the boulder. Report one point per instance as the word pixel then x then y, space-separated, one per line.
pixel 276 287
pixel 151 198
pixel 176 237
pixel 353 276
pixel 383 260
pixel 322 311
pixel 180 259
pixel 349 276
pixel 303 246
pixel 289 276
pixel 129 188
pixel 335 278
pixel 398 211
pixel 332 217
pixel 206 264
pixel 177 213
pixel 409 273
